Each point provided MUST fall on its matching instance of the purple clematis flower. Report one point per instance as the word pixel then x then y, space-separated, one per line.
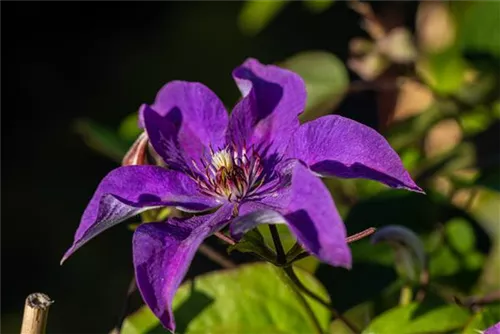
pixel 495 329
pixel 257 166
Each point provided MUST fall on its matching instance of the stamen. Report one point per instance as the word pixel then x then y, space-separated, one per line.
pixel 229 172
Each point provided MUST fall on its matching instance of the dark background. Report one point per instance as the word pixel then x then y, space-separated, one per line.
pixel 62 61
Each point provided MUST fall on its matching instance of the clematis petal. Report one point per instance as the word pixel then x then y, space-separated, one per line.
pixel 336 146
pixel 268 113
pixel 495 329
pixel 127 191
pixel 307 207
pixel 313 218
pixel 162 254
pixel 242 224
pixel 186 118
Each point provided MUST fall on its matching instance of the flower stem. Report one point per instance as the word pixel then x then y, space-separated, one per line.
pixel 314 320
pixel 361 235
pixel 298 286
pixel 225 238
pixel 281 256
pixel 293 277
pixel 349 239
pixel 406 295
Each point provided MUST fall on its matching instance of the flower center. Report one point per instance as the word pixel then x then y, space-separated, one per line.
pixel 230 173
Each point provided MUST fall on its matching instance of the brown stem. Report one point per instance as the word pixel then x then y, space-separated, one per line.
pixel 474 301
pixel 225 238
pixel 36 310
pixel 361 235
pixel 352 238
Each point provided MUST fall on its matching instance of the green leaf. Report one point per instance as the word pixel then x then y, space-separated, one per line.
pixel 128 129
pixel 318 6
pixel 460 235
pixel 255 15
pixel 287 238
pixel 360 315
pixel 251 299
pixel 478 25
pixel 496 109
pixel 326 80
pixel 484 319
pixel 410 158
pixel 444 72
pixel 253 242
pixel 474 260
pixel 101 139
pixel 475 121
pixel 419 318
pixel 309 263
pixel 443 263
pixel 485 210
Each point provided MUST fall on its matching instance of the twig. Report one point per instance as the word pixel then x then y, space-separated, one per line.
pixel 216 256
pixel 289 271
pixel 473 302
pixel 36 310
pixel 349 239
pixel 225 238
pixel 132 287
pixel 361 235
pixel 424 282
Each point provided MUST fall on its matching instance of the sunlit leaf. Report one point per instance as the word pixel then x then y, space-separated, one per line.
pixel 460 235
pixel 474 260
pixel 443 72
pixel 443 263
pixel 482 320
pixel 486 210
pixel 249 299
pixel 128 129
pixel 475 121
pixel 478 25
pixel 326 80
pixel 419 318
pixel 255 15
pixel 496 109
pixel 287 238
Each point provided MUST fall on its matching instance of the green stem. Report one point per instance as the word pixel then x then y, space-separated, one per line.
pixel 406 295
pixel 297 285
pixel 281 256
pixel 312 317
pixel 293 277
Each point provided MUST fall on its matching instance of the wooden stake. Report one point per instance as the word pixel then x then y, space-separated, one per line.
pixel 36 310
